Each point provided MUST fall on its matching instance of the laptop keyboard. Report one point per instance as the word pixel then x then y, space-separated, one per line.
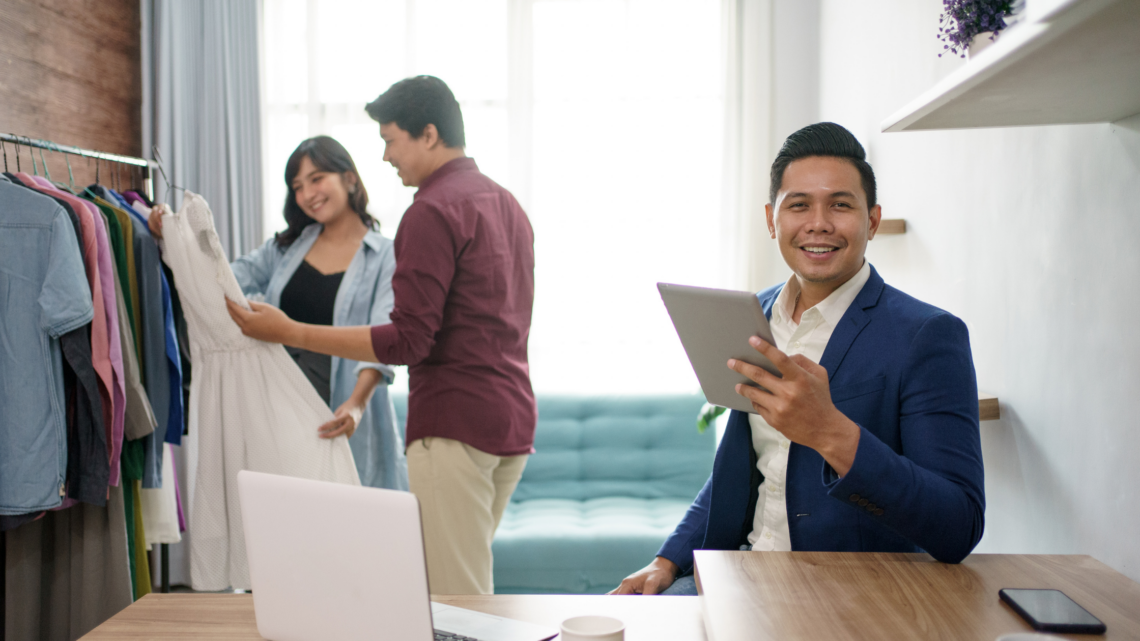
pixel 440 635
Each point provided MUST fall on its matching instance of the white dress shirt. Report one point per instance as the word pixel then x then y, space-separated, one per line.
pixel 809 337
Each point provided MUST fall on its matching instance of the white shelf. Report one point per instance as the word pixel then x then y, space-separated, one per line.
pixel 1079 63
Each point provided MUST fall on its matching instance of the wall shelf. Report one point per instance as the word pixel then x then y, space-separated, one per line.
pixel 988 408
pixel 1078 63
pixel 892 226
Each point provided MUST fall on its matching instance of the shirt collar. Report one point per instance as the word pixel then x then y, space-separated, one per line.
pixel 373 240
pixel 449 167
pixel 831 308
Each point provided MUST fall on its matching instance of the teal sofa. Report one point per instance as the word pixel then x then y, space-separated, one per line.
pixel 610 479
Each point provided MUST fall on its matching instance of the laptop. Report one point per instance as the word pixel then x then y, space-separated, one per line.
pixel 333 561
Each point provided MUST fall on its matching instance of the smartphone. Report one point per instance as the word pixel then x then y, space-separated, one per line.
pixel 1051 611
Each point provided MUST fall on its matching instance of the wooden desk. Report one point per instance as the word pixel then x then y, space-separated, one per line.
pixel 230 616
pixel 844 595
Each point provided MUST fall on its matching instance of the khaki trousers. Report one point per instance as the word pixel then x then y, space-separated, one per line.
pixel 462 493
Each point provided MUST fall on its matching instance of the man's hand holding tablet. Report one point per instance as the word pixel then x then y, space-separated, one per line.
pixel 798 404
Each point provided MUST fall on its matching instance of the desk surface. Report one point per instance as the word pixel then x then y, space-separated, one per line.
pixel 842 595
pixel 230 616
pixel 771 595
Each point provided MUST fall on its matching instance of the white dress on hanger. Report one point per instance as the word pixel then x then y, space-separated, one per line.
pixel 251 406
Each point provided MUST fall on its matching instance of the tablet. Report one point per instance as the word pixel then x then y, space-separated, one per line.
pixel 714 325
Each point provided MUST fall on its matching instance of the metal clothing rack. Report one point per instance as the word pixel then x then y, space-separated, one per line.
pixel 148 167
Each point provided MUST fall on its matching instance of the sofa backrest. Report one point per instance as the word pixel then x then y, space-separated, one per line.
pixel 594 446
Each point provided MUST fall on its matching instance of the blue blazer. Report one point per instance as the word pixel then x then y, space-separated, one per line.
pixel 902 370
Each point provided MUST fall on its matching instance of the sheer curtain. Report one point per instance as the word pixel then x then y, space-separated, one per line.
pixel 608 119
pixel 202 108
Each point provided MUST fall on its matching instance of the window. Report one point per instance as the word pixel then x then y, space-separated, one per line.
pixel 605 119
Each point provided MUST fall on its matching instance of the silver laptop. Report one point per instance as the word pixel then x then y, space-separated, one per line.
pixel 332 561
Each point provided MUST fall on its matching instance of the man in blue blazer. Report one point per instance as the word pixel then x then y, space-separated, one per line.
pixel 868 443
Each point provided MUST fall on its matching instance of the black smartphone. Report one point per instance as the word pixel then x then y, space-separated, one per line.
pixel 1051 611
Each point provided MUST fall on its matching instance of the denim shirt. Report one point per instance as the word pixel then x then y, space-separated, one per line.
pixel 43 295
pixel 363 298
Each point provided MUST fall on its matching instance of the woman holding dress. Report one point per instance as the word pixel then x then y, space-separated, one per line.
pixel 332 267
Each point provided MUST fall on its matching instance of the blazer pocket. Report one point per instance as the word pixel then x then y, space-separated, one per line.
pixel 854 390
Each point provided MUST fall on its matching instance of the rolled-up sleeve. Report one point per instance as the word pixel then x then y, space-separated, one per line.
pixel 383 300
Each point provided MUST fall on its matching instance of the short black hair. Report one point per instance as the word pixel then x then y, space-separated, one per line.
pixel 416 102
pixel 823 139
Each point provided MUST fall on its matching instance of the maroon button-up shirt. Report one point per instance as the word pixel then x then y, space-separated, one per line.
pixel 464 289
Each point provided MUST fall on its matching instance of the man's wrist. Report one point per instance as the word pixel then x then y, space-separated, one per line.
pixel 841 445
pixel 663 563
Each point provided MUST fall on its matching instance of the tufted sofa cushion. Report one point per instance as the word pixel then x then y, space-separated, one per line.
pixel 579 547
pixel 638 447
pixel 610 479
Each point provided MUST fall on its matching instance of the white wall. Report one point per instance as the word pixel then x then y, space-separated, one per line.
pixel 1030 236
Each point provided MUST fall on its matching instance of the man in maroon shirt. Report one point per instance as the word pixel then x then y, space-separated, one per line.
pixel 464 288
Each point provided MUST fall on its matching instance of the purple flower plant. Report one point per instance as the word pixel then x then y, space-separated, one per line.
pixel 961 20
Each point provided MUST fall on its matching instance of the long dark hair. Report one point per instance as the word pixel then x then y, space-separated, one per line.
pixel 326 154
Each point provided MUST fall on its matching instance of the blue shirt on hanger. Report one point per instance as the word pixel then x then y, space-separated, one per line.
pixel 43 295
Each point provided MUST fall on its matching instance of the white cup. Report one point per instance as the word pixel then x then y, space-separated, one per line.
pixel 592 628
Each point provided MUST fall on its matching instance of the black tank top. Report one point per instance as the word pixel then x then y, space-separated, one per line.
pixel 309 297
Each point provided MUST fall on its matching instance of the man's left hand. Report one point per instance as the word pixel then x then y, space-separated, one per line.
pixel 799 404
pixel 264 322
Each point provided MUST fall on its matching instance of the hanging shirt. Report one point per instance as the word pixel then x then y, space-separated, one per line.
pixel 809 337
pixel 177 419
pixel 150 339
pixel 253 408
pixel 88 466
pixel 139 416
pixel 43 295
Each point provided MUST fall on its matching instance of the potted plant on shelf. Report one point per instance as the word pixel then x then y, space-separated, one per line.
pixel 968 26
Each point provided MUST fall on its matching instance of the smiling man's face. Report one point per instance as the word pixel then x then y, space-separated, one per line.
pixel 821 220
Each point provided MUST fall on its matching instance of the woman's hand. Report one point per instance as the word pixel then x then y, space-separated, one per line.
pixel 154 221
pixel 345 419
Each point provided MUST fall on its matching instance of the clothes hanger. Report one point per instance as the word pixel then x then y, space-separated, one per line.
pixel 169 185
pixel 5 150
pixel 70 186
pixel 17 157
pixel 87 190
pixel 70 176
pixel 47 173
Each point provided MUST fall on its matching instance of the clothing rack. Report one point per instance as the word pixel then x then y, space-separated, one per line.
pixel 77 151
pixel 148 167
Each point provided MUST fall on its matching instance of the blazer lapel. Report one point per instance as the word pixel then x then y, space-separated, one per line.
pixel 852 324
